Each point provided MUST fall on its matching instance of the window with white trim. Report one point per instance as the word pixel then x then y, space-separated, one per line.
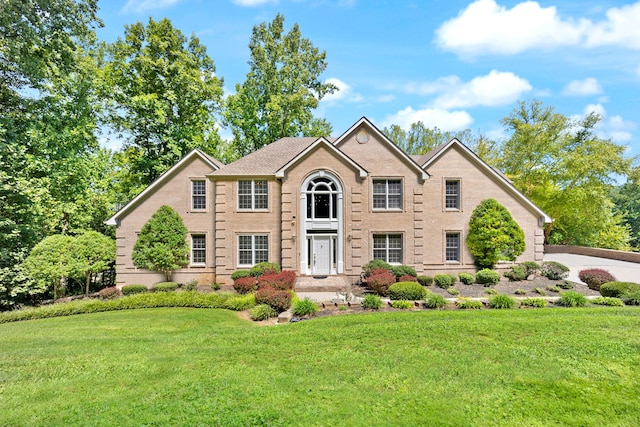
pixel 388 247
pixel 253 194
pixel 387 194
pixel 198 249
pixel 452 194
pixel 452 247
pixel 198 194
pixel 252 249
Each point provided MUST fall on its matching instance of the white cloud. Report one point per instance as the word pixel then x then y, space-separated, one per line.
pixel 344 93
pixel 586 87
pixel 594 108
pixel 140 6
pixel 614 127
pixel 484 27
pixel 444 120
pixel 250 3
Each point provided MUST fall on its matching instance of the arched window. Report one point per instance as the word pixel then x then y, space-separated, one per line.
pixel 322 199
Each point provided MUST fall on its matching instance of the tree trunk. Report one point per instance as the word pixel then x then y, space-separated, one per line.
pixel 88 281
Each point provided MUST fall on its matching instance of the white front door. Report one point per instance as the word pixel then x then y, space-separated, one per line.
pixel 321 255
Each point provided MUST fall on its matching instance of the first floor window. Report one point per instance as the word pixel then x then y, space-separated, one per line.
pixel 452 247
pixel 198 249
pixel 387 194
pixel 252 249
pixel 388 247
pixel 253 195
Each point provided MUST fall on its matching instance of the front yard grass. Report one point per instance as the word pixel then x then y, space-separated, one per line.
pixel 179 366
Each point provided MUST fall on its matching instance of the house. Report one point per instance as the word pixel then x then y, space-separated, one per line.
pixel 325 206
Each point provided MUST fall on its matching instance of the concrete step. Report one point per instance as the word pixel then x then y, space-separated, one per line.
pixel 322 284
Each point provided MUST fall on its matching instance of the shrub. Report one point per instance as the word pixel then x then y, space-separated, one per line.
pixel 403 270
pixel 304 307
pixel 240 302
pixel 380 281
pixel 631 298
pixel 191 285
pixel 375 264
pixel 572 299
pixel 244 285
pixel 516 274
pixel 530 267
pixel 262 312
pixel 239 274
pixel 371 302
pixel 553 288
pixel 263 268
pixel 540 291
pixel 110 293
pixel 520 292
pixel 443 281
pixel 490 291
pixel 617 289
pixel 402 304
pixel 408 279
pixel 425 280
pixel 277 299
pixel 554 270
pixel 595 277
pixel 407 291
pixel 502 301
pixel 466 278
pixel 453 292
pixel 487 277
pixel 133 289
pixel 609 301
pixel 533 302
pixel 468 304
pixel 165 287
pixel 435 301
pixel 284 281
pixel 565 285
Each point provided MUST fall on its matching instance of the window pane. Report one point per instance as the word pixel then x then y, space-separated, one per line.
pixel 452 192
pixel 261 249
pixel 452 247
pixel 198 192
pixel 321 202
pixel 261 194
pixel 198 249
pixel 387 194
pixel 244 195
pixel 388 247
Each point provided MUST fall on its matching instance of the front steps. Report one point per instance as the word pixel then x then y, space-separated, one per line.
pixel 336 284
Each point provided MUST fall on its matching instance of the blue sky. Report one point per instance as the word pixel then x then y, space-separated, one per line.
pixel 451 64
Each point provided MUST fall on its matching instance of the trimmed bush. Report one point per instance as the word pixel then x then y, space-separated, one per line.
pixel 283 281
pixel 631 298
pixel 595 277
pixel 466 278
pixel 467 304
pixel 109 293
pixel 443 281
pixel 454 292
pixel 408 279
pixel 435 301
pixel 425 280
pixel 375 264
pixel 403 270
pixel 165 287
pixel 262 312
pixel 533 302
pixel 572 299
pixel 402 304
pixel 565 285
pixel 380 281
pixel 487 277
pixel 407 291
pixel 239 274
pixel 517 274
pixel 133 289
pixel 240 302
pixel 617 289
pixel 304 307
pixel 371 302
pixel 245 285
pixel 530 267
pixel 501 302
pixel 263 268
pixel 277 299
pixel 608 301
pixel 554 270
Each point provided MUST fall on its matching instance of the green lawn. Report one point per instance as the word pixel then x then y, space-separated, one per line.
pixel 192 367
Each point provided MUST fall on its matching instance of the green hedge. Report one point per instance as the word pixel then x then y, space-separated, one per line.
pixel 133 289
pixel 617 289
pixel 165 287
pixel 407 291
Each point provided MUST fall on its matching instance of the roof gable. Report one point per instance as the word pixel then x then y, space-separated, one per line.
pixel 194 154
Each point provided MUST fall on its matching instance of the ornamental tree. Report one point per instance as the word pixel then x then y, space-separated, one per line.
pixel 493 234
pixel 95 252
pixel 162 243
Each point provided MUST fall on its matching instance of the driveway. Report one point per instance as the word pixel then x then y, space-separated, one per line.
pixel 623 271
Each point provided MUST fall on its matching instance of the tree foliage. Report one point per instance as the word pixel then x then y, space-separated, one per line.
pixel 95 253
pixel 494 235
pixel 162 94
pixel 282 88
pixel 627 203
pixel 162 243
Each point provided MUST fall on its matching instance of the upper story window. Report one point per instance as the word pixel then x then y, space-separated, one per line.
pixel 388 247
pixel 387 194
pixel 198 249
pixel 198 194
pixel 452 194
pixel 253 195
pixel 322 199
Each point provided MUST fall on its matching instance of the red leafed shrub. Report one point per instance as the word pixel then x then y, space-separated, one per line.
pixel 263 294
pixel 284 280
pixel 408 278
pixel 380 282
pixel 279 300
pixel 244 285
pixel 596 277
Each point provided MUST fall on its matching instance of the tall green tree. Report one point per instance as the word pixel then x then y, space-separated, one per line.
pixel 567 170
pixel 162 94
pixel 95 252
pixel 627 203
pixel 162 243
pixel 282 88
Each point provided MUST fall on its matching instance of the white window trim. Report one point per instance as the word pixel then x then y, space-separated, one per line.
pixel 444 246
pixel 386 194
pixel 444 195
pixel 387 234
pixel 253 195
pixel 191 257
pixel 191 181
pixel 253 248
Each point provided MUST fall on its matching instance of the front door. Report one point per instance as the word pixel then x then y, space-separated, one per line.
pixel 321 255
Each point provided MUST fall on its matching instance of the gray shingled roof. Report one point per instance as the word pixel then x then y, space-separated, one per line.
pixel 268 159
pixel 424 158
